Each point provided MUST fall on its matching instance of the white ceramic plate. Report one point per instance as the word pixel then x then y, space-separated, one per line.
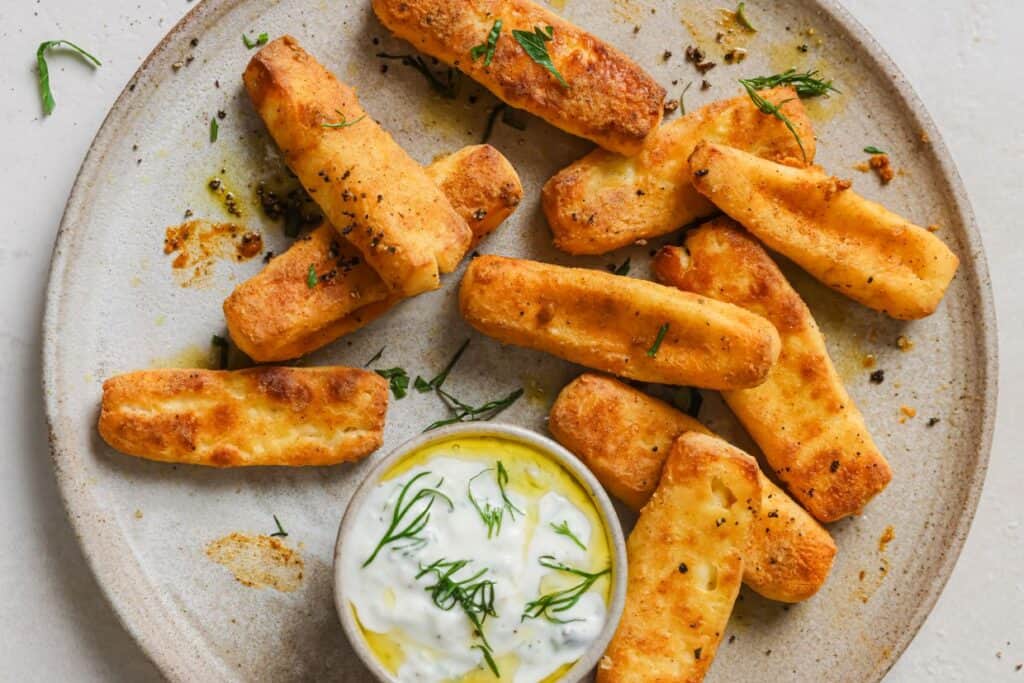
pixel 114 306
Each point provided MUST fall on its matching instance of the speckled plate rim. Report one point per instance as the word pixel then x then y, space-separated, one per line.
pixel 508 432
pixel 118 572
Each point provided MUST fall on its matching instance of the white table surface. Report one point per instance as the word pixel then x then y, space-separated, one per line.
pixel 964 57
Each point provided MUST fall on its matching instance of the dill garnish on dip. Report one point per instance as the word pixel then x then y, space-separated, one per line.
pixel 478 558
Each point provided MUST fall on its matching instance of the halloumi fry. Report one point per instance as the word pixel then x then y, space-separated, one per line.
pixel 685 564
pixel 240 418
pixel 811 432
pixel 374 193
pixel 276 316
pixel 606 201
pixel 853 245
pixel 606 96
pixel 621 325
pixel 624 437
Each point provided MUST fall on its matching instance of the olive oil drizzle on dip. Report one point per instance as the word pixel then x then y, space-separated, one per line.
pixel 479 559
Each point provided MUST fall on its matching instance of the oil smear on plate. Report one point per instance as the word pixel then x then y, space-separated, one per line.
pixel 259 561
pixel 196 246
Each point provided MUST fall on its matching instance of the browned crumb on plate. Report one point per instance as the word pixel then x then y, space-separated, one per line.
pixel 258 561
pixel 886 538
pixel 197 245
pixel 879 163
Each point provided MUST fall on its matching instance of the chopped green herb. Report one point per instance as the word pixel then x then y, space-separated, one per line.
pixel 564 530
pixel 399 380
pixel 375 358
pixel 311 278
pixel 344 123
pixel 221 345
pixel 491 516
pixel 467 413
pixel 534 46
pixel 44 71
pixel 473 594
pixel 260 40
pixel 410 532
pixel 549 604
pixel 741 17
pixel 871 149
pixel 514 118
pixel 688 400
pixel 806 83
pixel 653 351
pixel 214 129
pixel 775 110
pixel 280 529
pixel 622 269
pixel 486 50
pixel 447 88
pixel 423 386
pixel 682 105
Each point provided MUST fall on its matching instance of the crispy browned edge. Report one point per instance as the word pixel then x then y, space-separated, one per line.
pixel 593 209
pixel 673 621
pixel 351 400
pixel 479 182
pixel 803 397
pixel 624 435
pixel 610 100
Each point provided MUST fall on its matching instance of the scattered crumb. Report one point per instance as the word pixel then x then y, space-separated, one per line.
pixel 904 343
pixel 887 537
pixel 863 167
pixel 138 514
pixel 907 412
pixel 258 561
pixel 934 227
pixel 925 138
pixel 869 360
pixel 878 376
pixel 880 164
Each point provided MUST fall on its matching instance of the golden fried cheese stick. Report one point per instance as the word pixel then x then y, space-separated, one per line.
pixel 621 325
pixel 853 245
pixel 239 418
pixel 276 315
pixel 374 193
pixel 606 201
pixel 685 564
pixel 808 427
pixel 624 436
pixel 605 97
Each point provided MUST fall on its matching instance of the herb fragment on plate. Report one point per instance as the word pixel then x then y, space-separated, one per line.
pixel 447 87
pixel 44 71
pixel 473 594
pixel 688 400
pixel 214 129
pixel 423 386
pixel 564 530
pixel 682 104
pixel 262 39
pixel 621 269
pixel 653 351
pixel 423 500
pixel 492 516
pixel 533 43
pixel 399 380
pixel 344 123
pixel 467 413
pixel 280 529
pixel 375 358
pixel 220 344
pixel 806 83
pixel 775 110
pixel 871 149
pixel 486 50
pixel 741 17
pixel 311 278
pixel 549 604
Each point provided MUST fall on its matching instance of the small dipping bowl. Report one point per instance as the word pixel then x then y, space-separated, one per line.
pixel 545 446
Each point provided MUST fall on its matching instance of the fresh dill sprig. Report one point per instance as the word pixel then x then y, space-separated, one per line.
pixel 214 129
pixel 486 50
pixel 492 516
pixel 44 71
pixel 344 123
pixel 550 604
pixel 410 531
pixel 473 594
pixel 447 87
pixel 467 413
pixel 423 386
pixel 775 110
pixel 564 530
pixel 653 351
pixel 806 83
pixel 871 149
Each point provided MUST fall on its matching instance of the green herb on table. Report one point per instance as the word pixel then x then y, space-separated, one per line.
pixel 375 358
pixel 220 345
pixel 653 351
pixel 474 595
pixel 311 277
pixel 214 129
pixel 486 50
pixel 418 508
pixel 871 149
pixel 423 386
pixel 551 604
pixel 564 530
pixel 262 39
pixel 446 87
pixel 534 44
pixel 741 17
pixel 280 529
pixel 492 516
pixel 44 71
pixel 399 380
pixel 464 412
pixel 344 123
